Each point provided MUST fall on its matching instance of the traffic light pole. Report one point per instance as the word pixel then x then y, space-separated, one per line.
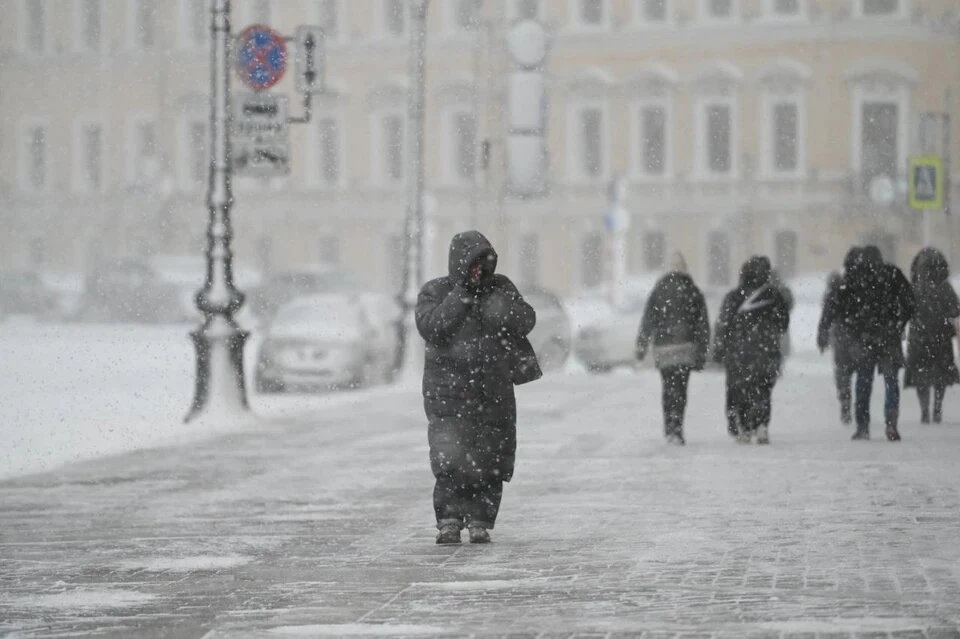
pixel 220 388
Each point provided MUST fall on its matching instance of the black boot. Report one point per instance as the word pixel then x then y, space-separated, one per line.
pixel 893 434
pixel 938 397
pixel 845 417
pixel 923 394
pixel 863 433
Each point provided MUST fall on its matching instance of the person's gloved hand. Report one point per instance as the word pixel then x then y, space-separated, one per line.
pixel 640 351
pixel 823 342
pixel 496 307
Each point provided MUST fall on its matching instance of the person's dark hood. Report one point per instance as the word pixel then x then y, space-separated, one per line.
pixel 931 267
pixel 466 249
pixel 755 273
pixel 852 259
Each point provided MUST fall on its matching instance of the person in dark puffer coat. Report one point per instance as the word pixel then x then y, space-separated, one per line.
pixel 748 342
pixel 675 320
pixel 473 321
pixel 930 361
pixel 833 334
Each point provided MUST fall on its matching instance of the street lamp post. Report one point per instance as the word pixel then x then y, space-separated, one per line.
pixel 219 341
pixel 413 273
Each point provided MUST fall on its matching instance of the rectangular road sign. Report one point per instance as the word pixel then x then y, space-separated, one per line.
pixel 310 59
pixel 260 135
pixel 925 183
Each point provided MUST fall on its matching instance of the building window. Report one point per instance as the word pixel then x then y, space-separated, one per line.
pixel 91 156
pixel 719 158
pixel 195 22
pixel 526 9
pixel 530 259
pixel 142 141
pixel 785 254
pixel 330 250
pixel 463 141
pixel 652 142
pixel 654 250
pixel 145 24
pixel 874 8
pixel 589 138
pixel 197 152
pixel 328 147
pixel 35 12
pixel 878 141
pixel 391 149
pixel 786 8
pixel 394 18
pixel 90 24
pixel 786 134
pixel 36 156
pixel 652 11
pixel 466 14
pixel 718 259
pixel 328 17
pixel 719 9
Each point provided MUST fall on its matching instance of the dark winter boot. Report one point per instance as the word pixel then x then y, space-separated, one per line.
pixel 938 397
pixel 861 434
pixel 924 415
pixel 479 535
pixel 845 417
pixel 449 534
pixel 893 434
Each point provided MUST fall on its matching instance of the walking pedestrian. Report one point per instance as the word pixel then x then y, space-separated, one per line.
pixel 875 304
pixel 832 333
pixel 675 321
pixel 930 361
pixel 748 342
pixel 475 323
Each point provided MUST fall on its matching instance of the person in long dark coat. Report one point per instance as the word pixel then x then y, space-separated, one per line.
pixel 748 342
pixel 473 321
pixel 832 333
pixel 675 321
pixel 875 304
pixel 930 361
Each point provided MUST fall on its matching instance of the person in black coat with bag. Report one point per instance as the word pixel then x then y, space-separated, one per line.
pixel 930 361
pixel 475 324
pixel 748 342
pixel 675 320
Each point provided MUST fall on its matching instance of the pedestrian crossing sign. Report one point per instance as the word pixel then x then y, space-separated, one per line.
pixel 925 188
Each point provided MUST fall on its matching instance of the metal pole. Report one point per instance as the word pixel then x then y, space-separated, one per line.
pixel 413 274
pixel 220 388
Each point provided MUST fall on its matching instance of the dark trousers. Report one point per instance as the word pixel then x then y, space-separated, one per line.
pixel 749 400
pixel 939 393
pixel 464 503
pixel 891 402
pixel 676 379
pixel 843 377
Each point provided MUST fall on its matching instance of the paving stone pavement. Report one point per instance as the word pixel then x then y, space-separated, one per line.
pixel 321 526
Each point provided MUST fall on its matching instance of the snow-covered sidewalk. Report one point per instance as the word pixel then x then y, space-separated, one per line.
pixel 319 524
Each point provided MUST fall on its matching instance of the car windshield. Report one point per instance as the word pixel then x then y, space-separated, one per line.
pixel 333 310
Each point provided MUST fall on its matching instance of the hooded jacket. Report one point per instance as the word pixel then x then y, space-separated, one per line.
pixel 472 334
pixel 676 314
pixel 930 359
pixel 753 318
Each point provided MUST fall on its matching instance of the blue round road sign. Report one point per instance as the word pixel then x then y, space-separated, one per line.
pixel 261 57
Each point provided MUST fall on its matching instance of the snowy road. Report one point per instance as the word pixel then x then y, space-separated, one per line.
pixel 318 522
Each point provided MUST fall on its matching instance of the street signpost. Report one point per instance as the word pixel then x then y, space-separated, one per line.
pixel 261 57
pixel 925 183
pixel 309 62
pixel 261 135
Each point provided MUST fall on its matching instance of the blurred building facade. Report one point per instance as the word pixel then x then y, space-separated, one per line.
pixel 738 127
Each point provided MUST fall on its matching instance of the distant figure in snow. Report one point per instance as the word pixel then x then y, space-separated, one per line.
pixel 930 361
pixel 833 333
pixel 475 324
pixel 748 342
pixel 874 305
pixel 675 320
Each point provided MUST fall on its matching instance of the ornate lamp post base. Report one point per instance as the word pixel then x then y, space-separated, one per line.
pixel 220 387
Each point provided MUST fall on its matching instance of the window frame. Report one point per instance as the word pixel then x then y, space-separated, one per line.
pixel 80 181
pixel 582 238
pixel 314 158
pixel 575 168
pixel 382 31
pixel 707 18
pixel 79 30
pixel 185 163
pixel 25 158
pixel 640 21
pixel 768 137
pixel 133 27
pixel 186 26
pixel 451 171
pixel 25 45
pixel 863 94
pixel 381 176
pixel 450 26
pixel 342 22
pixel 638 169
pixel 771 15
pixel 514 13
pixel 134 122
pixel 703 172
pixel 903 11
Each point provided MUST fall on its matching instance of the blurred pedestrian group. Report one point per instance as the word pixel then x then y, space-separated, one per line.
pixel 475 324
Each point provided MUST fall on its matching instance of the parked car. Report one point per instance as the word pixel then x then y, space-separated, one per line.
pixel 551 338
pixel 129 291
pixel 281 287
pixel 329 341
pixel 187 273
pixel 25 293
